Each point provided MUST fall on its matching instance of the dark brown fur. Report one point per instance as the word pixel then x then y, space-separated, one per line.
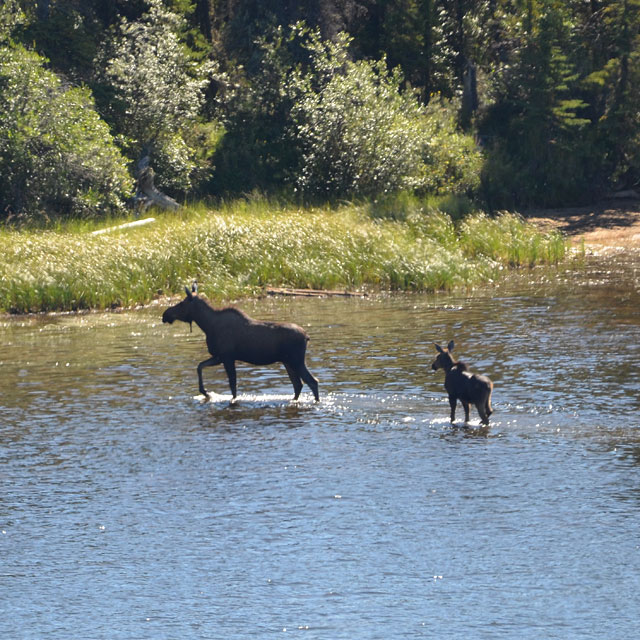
pixel 232 335
pixel 460 384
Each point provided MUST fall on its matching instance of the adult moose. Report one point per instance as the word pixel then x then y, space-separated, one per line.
pixel 461 384
pixel 232 335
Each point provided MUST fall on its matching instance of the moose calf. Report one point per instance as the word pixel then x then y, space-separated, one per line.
pixel 461 384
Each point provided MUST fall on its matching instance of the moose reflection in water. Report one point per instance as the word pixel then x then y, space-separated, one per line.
pixel 232 335
pixel 461 384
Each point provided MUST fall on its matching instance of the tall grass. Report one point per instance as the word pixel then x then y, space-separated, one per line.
pixel 510 240
pixel 243 246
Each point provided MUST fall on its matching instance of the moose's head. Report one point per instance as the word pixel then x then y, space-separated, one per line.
pixel 182 310
pixel 443 360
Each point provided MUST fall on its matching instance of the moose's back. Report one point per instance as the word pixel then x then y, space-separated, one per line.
pixel 254 341
pixel 467 386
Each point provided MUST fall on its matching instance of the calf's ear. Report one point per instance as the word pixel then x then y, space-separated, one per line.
pixel 194 287
pixel 450 346
pixel 438 348
pixel 188 293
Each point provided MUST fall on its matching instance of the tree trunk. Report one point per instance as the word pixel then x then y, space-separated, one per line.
pixel 204 19
pixel 469 94
pixel 42 9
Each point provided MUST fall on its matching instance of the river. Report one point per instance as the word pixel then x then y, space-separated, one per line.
pixel 131 509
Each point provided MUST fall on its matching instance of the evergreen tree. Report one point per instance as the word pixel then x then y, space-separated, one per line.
pixel 537 124
pixel 617 82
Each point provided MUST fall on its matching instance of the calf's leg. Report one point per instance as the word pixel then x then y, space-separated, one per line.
pixel 488 408
pixel 452 404
pixel 465 406
pixel 482 412
pixel 484 407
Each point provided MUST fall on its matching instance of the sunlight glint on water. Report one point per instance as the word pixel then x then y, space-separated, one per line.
pixel 132 508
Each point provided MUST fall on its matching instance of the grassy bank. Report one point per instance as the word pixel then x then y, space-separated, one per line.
pixel 237 250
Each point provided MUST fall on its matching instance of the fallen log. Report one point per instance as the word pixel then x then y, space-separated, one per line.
pixel 126 225
pixel 625 194
pixel 312 293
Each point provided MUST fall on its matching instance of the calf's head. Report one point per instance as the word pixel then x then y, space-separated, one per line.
pixel 182 310
pixel 443 360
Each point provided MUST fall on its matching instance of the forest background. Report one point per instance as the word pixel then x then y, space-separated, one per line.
pixel 512 103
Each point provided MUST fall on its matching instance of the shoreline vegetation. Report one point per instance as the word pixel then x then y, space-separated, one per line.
pixel 242 248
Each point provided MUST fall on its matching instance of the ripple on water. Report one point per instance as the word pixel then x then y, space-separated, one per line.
pixel 132 508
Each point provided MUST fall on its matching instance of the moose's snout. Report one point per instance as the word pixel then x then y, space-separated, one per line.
pixel 167 317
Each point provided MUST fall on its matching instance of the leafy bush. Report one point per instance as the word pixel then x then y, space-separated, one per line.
pixel 255 153
pixel 452 160
pixel 362 134
pixel 158 92
pixel 56 154
pixel 335 128
pixel 359 135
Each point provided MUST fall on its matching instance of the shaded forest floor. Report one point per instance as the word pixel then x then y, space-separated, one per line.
pixel 604 226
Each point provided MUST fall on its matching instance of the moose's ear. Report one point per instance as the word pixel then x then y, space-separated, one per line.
pixel 188 293
pixel 194 287
pixel 438 347
pixel 450 346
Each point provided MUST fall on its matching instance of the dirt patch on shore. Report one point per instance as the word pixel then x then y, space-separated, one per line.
pixel 610 225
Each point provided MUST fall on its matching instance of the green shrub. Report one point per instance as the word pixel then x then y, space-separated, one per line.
pixel 358 133
pixel 362 134
pixel 452 161
pixel 157 93
pixel 56 154
pixel 333 128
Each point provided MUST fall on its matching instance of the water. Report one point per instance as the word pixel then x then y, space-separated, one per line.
pixel 129 508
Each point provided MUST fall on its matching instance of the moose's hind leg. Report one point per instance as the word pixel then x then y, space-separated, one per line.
pixel 230 368
pixel 306 375
pixel 482 412
pixel 295 381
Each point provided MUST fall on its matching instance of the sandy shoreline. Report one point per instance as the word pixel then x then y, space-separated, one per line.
pixel 608 225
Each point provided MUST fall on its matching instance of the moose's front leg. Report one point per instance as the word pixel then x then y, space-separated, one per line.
pixel 465 406
pixel 205 363
pixel 452 403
